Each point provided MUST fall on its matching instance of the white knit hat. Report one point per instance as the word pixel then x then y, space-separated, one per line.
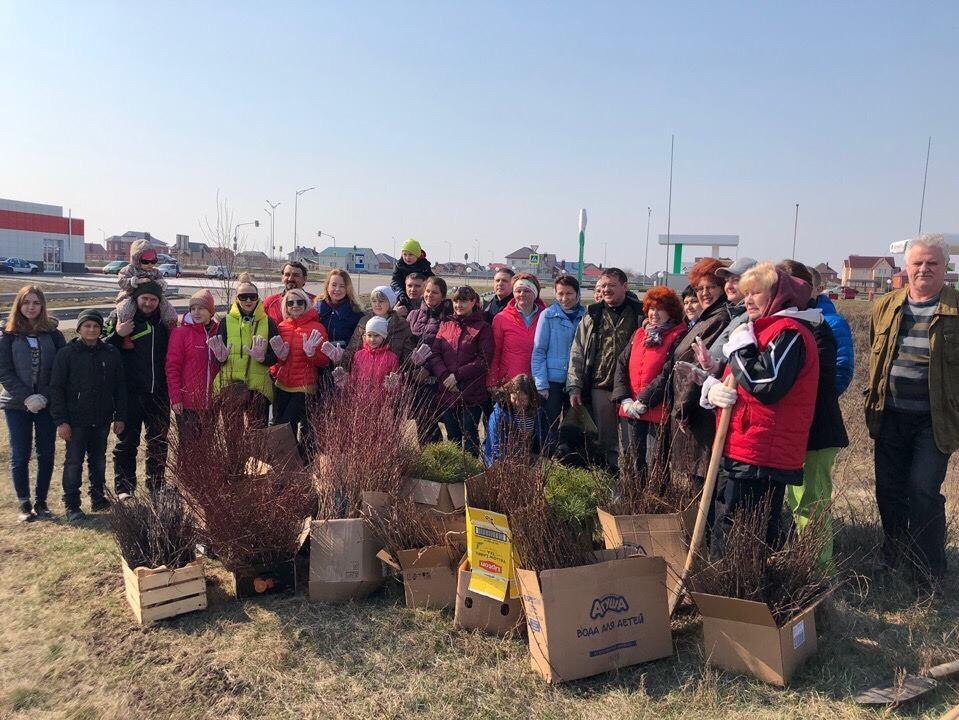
pixel 378 325
pixel 386 291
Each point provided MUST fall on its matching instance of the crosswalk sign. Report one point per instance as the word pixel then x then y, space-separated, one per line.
pixel 534 259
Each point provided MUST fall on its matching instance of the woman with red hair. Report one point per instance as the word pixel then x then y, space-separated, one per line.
pixel 640 389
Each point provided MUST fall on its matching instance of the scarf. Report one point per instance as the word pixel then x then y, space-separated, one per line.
pixel 655 333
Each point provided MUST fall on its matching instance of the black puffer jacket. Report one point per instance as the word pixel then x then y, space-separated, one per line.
pixel 145 365
pixel 828 429
pixel 87 387
pixel 402 269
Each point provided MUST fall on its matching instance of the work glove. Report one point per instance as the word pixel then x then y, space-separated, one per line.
pixel 718 394
pixel 421 354
pixel 450 383
pixel 333 352
pixel 311 342
pixel 340 377
pixel 35 403
pixel 257 349
pixel 635 410
pixel 282 349
pixel 703 356
pixel 220 351
pixel 134 281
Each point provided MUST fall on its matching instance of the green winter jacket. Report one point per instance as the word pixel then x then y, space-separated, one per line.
pixel 238 333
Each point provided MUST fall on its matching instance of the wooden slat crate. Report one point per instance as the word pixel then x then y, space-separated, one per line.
pixel 157 593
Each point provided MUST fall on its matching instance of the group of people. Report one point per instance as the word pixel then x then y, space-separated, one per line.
pixel 756 339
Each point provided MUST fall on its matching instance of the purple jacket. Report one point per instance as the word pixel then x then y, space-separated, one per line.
pixel 464 348
pixel 425 323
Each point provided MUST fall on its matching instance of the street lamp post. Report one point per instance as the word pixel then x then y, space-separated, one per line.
pixel 449 251
pixel 795 229
pixel 254 223
pixel 271 212
pixel 321 234
pixel 649 217
pixel 296 203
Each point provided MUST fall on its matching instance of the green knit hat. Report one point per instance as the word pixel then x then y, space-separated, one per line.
pixel 412 246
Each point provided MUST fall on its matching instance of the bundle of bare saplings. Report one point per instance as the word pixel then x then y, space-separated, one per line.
pixel 251 502
pixel 157 541
pixel 650 489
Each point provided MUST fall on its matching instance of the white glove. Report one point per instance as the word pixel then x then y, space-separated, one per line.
pixel 340 377
pixel 310 343
pixel 333 352
pixel 703 356
pixel 220 351
pixel 282 349
pixel 450 382
pixel 721 396
pixel 635 410
pixel 35 403
pixel 134 281
pixel 421 354
pixel 257 349
pixel 391 381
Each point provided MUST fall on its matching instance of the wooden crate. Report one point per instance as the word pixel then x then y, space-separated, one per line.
pixel 157 593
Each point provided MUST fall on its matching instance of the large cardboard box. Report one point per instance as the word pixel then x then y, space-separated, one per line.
pixel 428 577
pixel 158 593
pixel 259 580
pixel 474 611
pixel 664 535
pixel 590 619
pixel 343 561
pixel 742 636
pixel 444 503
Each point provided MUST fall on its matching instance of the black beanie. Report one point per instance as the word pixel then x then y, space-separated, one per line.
pixel 148 288
pixel 90 315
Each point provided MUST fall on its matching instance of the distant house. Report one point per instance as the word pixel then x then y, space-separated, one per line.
pixel 253 260
pixel 118 246
pixel 305 255
pixel 351 259
pixel 519 261
pixel 868 272
pixel 829 276
pixel 493 267
pixel 193 253
pixel 385 262
pixel 591 271
pixel 900 280
pixel 94 252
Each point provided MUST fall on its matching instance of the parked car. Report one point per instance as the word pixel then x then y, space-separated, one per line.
pixel 218 272
pixel 163 258
pixel 18 265
pixel 170 269
pixel 848 293
pixel 112 268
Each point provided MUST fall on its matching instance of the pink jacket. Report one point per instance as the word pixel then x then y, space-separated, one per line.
pixel 374 365
pixel 512 344
pixel 190 365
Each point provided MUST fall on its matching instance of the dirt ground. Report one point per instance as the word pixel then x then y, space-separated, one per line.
pixel 69 647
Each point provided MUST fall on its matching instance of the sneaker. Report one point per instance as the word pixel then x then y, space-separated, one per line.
pixel 26 512
pixel 99 505
pixel 42 511
pixel 124 496
pixel 75 515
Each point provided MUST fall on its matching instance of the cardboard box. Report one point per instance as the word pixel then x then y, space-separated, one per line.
pixel 590 619
pixel 742 636
pixel 428 577
pixel 158 593
pixel 664 535
pixel 258 580
pixel 446 498
pixel 474 611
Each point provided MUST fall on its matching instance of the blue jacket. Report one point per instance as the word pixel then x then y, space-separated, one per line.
pixel 498 428
pixel 845 352
pixel 552 343
pixel 339 320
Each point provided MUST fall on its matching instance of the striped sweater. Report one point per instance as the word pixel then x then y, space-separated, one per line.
pixel 909 375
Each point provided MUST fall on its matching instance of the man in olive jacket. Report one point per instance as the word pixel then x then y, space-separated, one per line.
pixel 912 407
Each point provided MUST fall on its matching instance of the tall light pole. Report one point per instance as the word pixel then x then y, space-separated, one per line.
pixel 925 176
pixel 649 217
pixel 296 203
pixel 669 207
pixel 476 244
pixel 449 251
pixel 321 234
pixel 795 230
pixel 254 223
pixel 272 212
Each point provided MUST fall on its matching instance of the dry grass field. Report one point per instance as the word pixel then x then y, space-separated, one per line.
pixel 69 647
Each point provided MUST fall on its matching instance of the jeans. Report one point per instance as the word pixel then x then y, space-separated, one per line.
pixel 910 470
pixel 89 442
pixel 606 416
pixel 21 425
pixel 639 442
pixel 742 495
pixel 151 412
pixel 462 426
pixel 556 402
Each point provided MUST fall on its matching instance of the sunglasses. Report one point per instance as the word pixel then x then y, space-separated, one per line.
pixel 247 297
pixel 296 303
pixel 144 261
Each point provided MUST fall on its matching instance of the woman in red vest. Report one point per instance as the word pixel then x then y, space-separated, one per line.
pixel 774 359
pixel 640 386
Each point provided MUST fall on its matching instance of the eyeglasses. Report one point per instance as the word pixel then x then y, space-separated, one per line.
pixel 706 288
pixel 247 297
pixel 144 261
pixel 296 303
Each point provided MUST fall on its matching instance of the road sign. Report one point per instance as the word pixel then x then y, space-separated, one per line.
pixel 359 261
pixel 534 259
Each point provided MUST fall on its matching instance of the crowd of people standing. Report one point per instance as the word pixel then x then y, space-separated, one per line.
pixel 757 339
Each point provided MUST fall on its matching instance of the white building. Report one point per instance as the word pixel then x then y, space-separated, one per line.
pixel 41 234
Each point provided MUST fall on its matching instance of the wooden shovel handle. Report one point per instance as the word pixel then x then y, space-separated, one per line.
pixel 700 529
pixel 952 714
pixel 945 670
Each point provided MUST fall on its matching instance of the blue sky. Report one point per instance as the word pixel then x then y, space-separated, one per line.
pixel 489 121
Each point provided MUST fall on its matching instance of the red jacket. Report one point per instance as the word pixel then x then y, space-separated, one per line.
pixel 373 366
pixel 273 305
pixel 512 344
pixel 190 365
pixel 464 348
pixel 645 364
pixel 775 435
pixel 298 372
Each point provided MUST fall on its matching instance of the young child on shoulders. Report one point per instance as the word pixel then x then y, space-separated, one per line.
pixel 142 268
pixel 412 260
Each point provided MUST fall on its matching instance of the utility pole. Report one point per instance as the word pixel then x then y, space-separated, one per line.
pixel 795 229
pixel 272 212
pixel 669 206
pixel 649 217
pixel 925 175
pixel 296 203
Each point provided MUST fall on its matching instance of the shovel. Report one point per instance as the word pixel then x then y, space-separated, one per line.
pixel 700 529
pixel 909 687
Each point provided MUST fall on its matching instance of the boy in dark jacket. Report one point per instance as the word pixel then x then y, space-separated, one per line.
pixel 87 394
pixel 412 260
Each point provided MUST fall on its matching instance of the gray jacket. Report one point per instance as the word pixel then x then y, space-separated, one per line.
pixel 15 367
pixel 738 314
